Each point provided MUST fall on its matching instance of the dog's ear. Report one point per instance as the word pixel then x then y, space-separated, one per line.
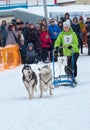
pixel 25 65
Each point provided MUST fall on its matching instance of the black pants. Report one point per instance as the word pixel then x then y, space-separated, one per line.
pixel 44 53
pixel 70 64
pixel 80 44
pixel 88 42
pixel 51 48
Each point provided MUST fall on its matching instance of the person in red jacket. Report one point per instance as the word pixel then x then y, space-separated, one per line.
pixel 45 44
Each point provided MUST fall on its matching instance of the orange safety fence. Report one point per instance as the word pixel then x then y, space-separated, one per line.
pixel 9 57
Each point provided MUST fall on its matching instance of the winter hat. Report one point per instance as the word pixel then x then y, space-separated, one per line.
pixel 26 23
pixel 81 18
pixel 37 25
pixel 52 20
pixel 66 23
pixel 31 23
pixel 30 44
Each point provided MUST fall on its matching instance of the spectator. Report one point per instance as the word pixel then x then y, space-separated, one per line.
pixel 12 34
pixel 44 22
pixel 67 16
pixel 3 32
pixel 86 36
pixel 22 46
pixel 45 44
pixel 32 35
pixel 81 23
pixel 87 20
pixel 25 32
pixel 76 28
pixel 31 56
pixel 60 25
pixel 54 30
pixel 38 50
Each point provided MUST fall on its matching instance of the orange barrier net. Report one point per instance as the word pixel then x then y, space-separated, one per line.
pixel 9 57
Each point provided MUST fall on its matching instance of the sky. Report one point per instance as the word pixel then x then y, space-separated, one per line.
pixel 67 109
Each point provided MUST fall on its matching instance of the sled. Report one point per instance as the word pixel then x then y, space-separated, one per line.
pixel 61 77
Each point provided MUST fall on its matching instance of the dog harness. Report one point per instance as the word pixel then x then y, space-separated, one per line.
pixel 46 82
pixel 28 80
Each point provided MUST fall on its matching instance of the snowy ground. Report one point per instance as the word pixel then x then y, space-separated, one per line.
pixel 67 109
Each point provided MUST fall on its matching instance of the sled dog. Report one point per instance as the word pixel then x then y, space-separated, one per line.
pixel 45 79
pixel 29 78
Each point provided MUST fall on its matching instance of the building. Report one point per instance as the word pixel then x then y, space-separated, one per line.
pixel 68 2
pixel 60 2
pixel 86 2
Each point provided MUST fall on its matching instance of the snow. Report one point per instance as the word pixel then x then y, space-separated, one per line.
pixel 67 109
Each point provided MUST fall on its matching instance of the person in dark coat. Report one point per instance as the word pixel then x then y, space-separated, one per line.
pixel 3 33
pixel 67 17
pixel 32 35
pixel 60 25
pixel 22 46
pixel 76 28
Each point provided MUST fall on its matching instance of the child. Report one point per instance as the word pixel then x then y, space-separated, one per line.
pixel 30 54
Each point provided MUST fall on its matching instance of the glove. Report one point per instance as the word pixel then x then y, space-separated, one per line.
pixel 56 49
pixel 69 47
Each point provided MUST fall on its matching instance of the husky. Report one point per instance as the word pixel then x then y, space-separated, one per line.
pixel 45 79
pixel 29 78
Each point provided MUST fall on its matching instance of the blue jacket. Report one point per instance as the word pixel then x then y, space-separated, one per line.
pixel 52 29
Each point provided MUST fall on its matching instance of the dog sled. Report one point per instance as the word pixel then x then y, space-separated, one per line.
pixel 63 75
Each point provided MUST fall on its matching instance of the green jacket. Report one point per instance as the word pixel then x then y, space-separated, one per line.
pixel 65 39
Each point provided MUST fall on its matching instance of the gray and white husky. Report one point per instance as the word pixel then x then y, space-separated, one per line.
pixel 29 78
pixel 45 79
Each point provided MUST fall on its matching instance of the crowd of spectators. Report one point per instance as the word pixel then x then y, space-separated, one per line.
pixel 36 41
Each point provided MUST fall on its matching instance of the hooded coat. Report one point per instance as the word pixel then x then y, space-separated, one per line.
pixel 30 53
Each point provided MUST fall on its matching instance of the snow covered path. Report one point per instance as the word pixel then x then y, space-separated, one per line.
pixel 67 109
